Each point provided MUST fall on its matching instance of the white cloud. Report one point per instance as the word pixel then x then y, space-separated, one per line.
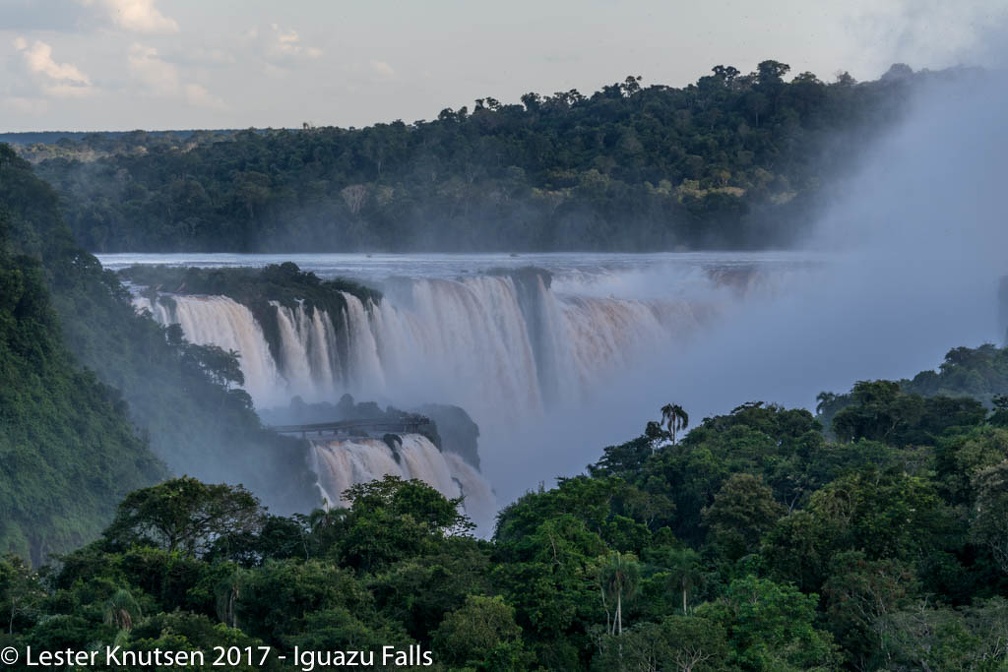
pixel 138 16
pixel 280 46
pixel 383 69
pixel 162 79
pixel 62 80
pixel 924 33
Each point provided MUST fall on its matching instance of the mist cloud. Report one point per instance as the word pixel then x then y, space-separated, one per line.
pixel 910 258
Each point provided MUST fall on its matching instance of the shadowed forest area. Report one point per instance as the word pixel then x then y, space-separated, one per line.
pixel 755 542
pixel 73 350
pixel 734 161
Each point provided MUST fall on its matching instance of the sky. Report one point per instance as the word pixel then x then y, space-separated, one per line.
pixel 182 64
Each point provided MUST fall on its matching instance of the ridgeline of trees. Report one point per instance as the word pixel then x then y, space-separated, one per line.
pixel 752 543
pixel 733 161
pixel 967 375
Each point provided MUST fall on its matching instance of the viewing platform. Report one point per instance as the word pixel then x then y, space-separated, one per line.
pixel 355 428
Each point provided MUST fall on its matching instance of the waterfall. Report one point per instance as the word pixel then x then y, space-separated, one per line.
pixel 512 348
pixel 220 321
pixel 341 463
pixel 506 347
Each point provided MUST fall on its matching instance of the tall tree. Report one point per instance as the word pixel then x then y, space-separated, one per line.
pixel 619 576
pixel 675 418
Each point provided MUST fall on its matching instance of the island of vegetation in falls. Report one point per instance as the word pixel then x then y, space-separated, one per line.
pixel 279 298
pixel 756 541
pixel 733 161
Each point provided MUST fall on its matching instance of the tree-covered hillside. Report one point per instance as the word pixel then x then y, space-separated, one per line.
pixel 68 453
pixel 734 160
pixel 754 543
pixel 74 441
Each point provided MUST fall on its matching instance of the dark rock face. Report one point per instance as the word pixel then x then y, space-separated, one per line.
pixel 459 434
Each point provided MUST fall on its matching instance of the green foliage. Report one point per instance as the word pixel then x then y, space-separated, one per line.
pixel 882 411
pixel 782 446
pixel 771 627
pixel 418 591
pixel 186 516
pixel 675 643
pixel 287 603
pixel 550 575
pixel 939 638
pixel 967 374
pixel 990 517
pixel 67 451
pixel 393 519
pixel 887 514
pixel 731 161
pixel 859 593
pixel 958 458
pixel 979 372
pixel 482 635
pixel 21 595
pixel 742 512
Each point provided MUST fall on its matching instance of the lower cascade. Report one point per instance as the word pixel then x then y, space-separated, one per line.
pixel 341 463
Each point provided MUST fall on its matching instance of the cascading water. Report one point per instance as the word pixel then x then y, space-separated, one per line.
pixel 221 321
pixel 511 347
pixel 341 463
pixel 505 347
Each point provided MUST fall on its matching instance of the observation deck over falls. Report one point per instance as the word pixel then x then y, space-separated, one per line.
pixel 359 428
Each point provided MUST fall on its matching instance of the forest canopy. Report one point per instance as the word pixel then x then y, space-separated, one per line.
pixel 733 161
pixel 754 542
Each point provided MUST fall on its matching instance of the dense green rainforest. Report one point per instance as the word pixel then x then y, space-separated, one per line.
pixel 72 349
pixel 755 542
pixel 732 161
pixel 871 535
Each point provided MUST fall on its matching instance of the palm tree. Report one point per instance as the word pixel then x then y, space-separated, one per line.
pixel 675 418
pixel 122 610
pixel 823 402
pixel 685 572
pixel 619 575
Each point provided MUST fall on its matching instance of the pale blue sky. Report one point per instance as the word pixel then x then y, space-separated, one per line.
pixel 156 64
